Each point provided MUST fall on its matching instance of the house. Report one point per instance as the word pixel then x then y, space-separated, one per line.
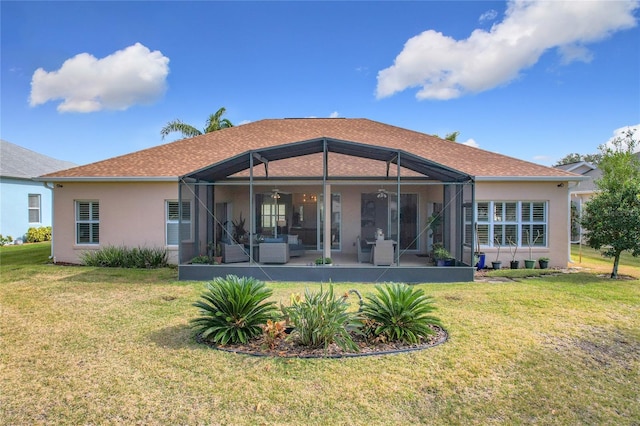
pixel 24 203
pixel 582 191
pixel 325 184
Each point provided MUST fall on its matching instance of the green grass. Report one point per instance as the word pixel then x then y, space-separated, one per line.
pixel 85 345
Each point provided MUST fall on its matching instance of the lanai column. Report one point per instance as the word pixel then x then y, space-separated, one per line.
pixel 326 238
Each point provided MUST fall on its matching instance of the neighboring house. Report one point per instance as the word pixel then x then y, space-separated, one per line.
pixel 24 203
pixel 316 180
pixel 582 191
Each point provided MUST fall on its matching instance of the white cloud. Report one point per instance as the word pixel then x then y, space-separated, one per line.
pixel 334 114
pixel 134 75
pixel 445 68
pixel 471 142
pixel 620 133
pixel 489 15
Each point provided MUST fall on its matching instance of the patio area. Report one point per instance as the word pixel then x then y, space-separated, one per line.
pixel 414 268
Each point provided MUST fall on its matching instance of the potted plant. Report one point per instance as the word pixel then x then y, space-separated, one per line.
pixel 543 262
pixel 441 255
pixel 513 249
pixel 530 263
pixel 497 264
pixel 479 257
pixel 217 258
pixel 238 229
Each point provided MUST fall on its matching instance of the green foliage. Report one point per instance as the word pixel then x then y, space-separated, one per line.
pixel 576 158
pixel 323 261
pixel 321 319
pixel 400 312
pixel 124 257
pixel 233 309
pixel 612 217
pixel 200 260
pixel 5 240
pixel 38 235
pixel 214 122
pixel 441 253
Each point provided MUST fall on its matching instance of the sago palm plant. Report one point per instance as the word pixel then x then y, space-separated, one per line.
pixel 400 313
pixel 233 310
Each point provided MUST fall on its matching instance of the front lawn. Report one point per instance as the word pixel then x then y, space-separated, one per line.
pixel 87 345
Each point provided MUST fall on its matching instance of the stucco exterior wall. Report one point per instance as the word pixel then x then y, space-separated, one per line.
pixel 131 214
pixel 14 206
pixel 556 194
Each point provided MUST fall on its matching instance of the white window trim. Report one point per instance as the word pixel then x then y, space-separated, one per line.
pixel 518 222
pixel 38 209
pixel 177 222
pixel 89 221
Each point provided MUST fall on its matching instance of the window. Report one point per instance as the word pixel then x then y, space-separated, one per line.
pixel 87 222
pixel 178 221
pixel 271 214
pixel 509 222
pixel 34 208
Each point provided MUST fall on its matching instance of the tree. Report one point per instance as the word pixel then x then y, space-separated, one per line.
pixel 576 158
pixel 453 136
pixel 214 122
pixel 612 217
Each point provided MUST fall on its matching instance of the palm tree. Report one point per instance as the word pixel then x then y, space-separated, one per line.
pixel 214 122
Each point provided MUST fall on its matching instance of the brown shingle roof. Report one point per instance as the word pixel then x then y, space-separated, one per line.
pixel 187 155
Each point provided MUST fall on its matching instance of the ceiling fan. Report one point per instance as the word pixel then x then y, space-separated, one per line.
pixel 382 193
pixel 275 193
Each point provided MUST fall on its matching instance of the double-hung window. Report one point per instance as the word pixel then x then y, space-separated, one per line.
pixel 178 216
pixel 34 208
pixel 87 222
pixel 522 223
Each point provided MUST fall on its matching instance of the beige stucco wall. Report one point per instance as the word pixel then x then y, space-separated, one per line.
pixel 557 196
pixel 131 214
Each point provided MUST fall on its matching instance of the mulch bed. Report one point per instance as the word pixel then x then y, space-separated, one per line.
pixel 289 348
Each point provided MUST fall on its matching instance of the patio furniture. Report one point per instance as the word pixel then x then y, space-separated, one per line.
pixel 233 253
pixel 296 248
pixel 383 252
pixel 364 253
pixel 274 252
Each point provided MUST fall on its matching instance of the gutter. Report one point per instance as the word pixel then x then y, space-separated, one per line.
pixel 108 179
pixel 530 178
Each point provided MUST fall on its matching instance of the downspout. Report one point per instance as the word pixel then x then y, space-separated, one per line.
pixel 326 246
pixel 46 185
pixel 569 187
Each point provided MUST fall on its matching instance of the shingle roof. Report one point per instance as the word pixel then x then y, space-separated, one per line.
pixel 18 162
pixel 188 155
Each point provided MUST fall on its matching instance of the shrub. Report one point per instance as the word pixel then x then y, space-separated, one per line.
pixel 323 261
pixel 400 313
pixel 123 257
pixel 38 235
pixel 200 260
pixel 233 310
pixel 321 319
pixel 5 240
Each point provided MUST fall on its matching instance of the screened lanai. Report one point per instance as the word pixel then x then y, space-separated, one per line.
pixel 275 212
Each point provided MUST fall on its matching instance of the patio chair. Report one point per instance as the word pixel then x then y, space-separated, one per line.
pixel 383 253
pixel 364 253
pixel 274 252
pixel 233 253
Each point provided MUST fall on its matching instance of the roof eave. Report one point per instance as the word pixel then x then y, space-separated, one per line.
pixel 107 179
pixel 576 178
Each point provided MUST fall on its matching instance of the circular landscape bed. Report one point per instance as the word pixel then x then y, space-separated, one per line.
pixel 289 348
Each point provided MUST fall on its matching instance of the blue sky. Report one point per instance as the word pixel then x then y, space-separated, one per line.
pixel 85 81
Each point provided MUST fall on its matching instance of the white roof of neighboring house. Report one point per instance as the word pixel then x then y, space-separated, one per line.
pixel 18 162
